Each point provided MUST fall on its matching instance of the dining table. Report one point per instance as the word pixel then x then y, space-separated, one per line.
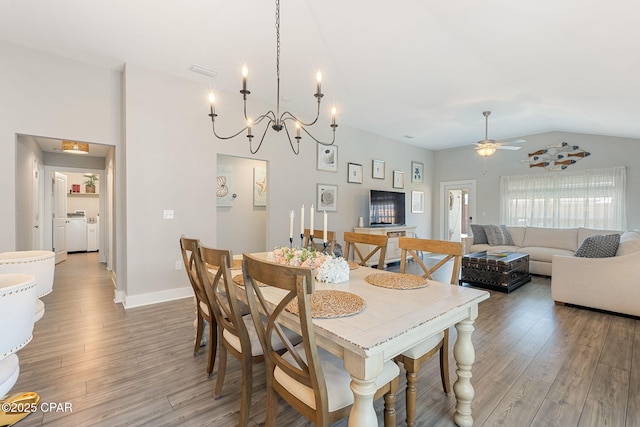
pixel 392 321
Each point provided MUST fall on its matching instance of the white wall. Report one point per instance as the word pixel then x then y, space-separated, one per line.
pixel 165 159
pixel 606 151
pixel 47 95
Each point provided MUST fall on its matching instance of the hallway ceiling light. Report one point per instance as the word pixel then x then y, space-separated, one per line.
pixel 75 147
pixel 276 120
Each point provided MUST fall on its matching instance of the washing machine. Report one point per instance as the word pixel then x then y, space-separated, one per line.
pixel 76 232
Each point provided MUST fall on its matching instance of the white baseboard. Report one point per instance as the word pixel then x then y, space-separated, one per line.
pixel 130 301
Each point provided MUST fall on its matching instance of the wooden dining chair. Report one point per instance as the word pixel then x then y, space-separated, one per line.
pixel 237 331
pixel 376 243
pixel 204 312
pixel 438 343
pixel 309 378
pixel 318 243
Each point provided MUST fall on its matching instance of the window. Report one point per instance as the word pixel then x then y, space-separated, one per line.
pixel 592 198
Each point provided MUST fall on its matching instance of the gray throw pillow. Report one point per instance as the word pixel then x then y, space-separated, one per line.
pixel 599 246
pixel 479 236
pixel 498 235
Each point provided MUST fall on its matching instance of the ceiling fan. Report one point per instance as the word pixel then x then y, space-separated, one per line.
pixel 487 146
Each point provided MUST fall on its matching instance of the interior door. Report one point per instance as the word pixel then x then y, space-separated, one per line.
pixel 458 208
pixel 60 216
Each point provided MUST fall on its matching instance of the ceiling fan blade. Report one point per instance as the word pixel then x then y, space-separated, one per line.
pixel 508 147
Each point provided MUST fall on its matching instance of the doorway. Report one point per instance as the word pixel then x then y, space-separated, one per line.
pixel 43 198
pixel 458 208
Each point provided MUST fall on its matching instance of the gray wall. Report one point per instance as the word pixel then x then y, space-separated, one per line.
pixel 606 151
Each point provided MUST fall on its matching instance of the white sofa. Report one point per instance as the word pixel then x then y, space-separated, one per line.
pixel 611 284
pixel 542 244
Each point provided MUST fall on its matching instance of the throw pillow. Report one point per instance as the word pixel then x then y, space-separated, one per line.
pixel 479 236
pixel 498 235
pixel 599 246
pixel 629 243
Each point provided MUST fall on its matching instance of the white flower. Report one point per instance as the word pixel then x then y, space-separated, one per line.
pixel 333 270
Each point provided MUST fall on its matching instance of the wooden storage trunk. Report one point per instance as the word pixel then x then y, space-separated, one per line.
pixel 502 273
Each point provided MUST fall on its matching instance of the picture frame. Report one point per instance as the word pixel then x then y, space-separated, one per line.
pixel 417 172
pixel 259 186
pixel 326 197
pixel 417 202
pixel 327 159
pixel 377 171
pixel 398 179
pixel 224 186
pixel 354 173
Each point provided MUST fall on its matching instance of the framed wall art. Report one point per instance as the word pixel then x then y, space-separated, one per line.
pixel 398 179
pixel 354 173
pixel 259 186
pixel 417 172
pixel 378 169
pixel 224 186
pixel 327 197
pixel 327 158
pixel 417 202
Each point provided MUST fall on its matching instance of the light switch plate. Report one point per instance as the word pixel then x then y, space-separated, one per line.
pixel 167 214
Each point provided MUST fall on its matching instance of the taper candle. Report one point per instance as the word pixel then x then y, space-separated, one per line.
pixel 311 226
pixel 291 215
pixel 324 230
pixel 302 220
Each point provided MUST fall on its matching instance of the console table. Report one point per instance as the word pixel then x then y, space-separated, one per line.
pixel 394 252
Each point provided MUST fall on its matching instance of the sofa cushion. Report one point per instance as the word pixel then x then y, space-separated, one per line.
pixel 537 253
pixel 517 235
pixel 629 243
pixel 498 235
pixel 583 233
pixel 479 236
pixel 561 238
pixel 599 246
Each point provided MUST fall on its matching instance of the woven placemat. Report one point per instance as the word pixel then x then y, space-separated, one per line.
pixel 238 279
pixel 396 280
pixel 329 303
pixel 352 265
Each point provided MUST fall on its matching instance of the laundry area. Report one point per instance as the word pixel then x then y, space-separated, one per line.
pixel 83 218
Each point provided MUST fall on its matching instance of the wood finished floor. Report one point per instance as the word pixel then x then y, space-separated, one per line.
pixel 537 364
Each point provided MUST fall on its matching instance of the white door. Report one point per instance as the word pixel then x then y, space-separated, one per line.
pixel 60 216
pixel 458 208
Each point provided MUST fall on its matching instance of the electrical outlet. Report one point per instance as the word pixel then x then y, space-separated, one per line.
pixel 178 265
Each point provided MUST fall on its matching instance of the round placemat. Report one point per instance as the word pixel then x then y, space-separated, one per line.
pixel 396 280
pixel 352 265
pixel 330 303
pixel 238 279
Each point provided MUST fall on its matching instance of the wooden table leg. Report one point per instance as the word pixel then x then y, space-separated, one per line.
pixel 464 355
pixel 362 412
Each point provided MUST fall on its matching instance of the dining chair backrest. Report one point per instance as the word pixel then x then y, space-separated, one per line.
pixel 410 246
pixel 378 241
pixel 221 291
pixel 318 239
pixel 298 284
pixel 187 246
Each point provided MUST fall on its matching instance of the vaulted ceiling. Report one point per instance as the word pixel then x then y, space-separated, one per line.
pixel 419 71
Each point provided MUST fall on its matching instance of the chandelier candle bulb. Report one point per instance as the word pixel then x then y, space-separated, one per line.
pixel 319 82
pixel 245 73
pixel 333 115
pixel 212 103
pixel 297 130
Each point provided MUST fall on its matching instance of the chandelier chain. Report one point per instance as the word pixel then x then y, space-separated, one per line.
pixel 278 38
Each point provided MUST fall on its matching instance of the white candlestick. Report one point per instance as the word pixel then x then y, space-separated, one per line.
pixel 291 215
pixel 324 230
pixel 311 227
pixel 302 220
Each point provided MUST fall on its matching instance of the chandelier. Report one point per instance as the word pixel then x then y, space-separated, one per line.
pixel 275 120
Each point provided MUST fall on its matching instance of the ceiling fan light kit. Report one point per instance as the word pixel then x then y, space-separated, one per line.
pixel 487 146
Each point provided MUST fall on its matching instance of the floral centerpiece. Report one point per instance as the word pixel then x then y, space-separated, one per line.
pixel 326 267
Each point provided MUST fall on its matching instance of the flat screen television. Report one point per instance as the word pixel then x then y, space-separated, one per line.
pixel 386 208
